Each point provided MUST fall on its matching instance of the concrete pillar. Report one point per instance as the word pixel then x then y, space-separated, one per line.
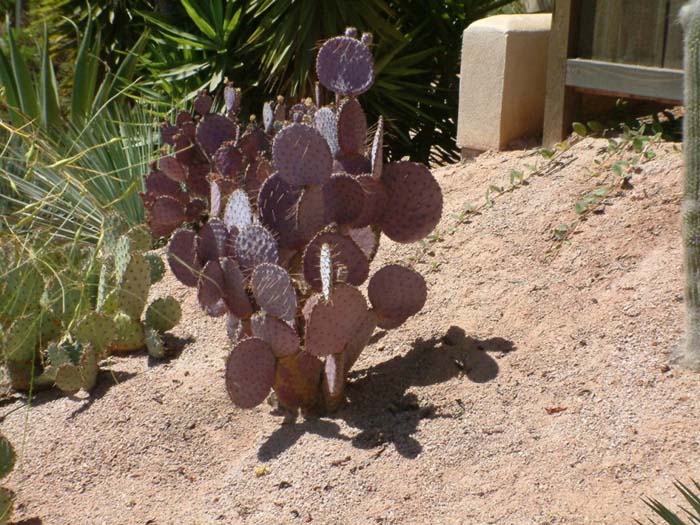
pixel 502 81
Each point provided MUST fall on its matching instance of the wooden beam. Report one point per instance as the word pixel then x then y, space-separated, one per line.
pixel 560 100
pixel 637 81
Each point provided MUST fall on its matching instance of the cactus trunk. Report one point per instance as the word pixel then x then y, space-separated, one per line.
pixel 690 16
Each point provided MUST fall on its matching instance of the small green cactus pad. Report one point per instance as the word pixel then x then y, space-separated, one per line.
pixel 374 202
pixel 281 337
pixel 68 378
pixel 274 292
pixel 182 257
pixel 326 123
pixel 297 381
pixel 331 324
pixel 414 206
pixel 210 289
pixel 214 130
pixel 345 253
pixel 212 241
pixel 352 127
pixel 172 168
pixel 129 332
pixel 122 258
pixel 133 290
pixel 311 213
pixel 163 314
pixel 238 213
pixel 140 237
pixel 203 103
pixel 229 161
pixel 345 66
pixel 250 372
pixel 165 215
pixel 154 344
pixel 377 151
pixel 7 456
pixel 396 293
pixel 344 199
pixel 21 339
pixel 301 156
pixel 255 245
pixel 111 303
pixel 234 292
pixel 7 499
pixel 363 332
pixel 97 329
pixel 156 267
pixel 277 203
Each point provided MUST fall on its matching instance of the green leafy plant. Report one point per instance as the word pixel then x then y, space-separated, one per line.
pixel 689 516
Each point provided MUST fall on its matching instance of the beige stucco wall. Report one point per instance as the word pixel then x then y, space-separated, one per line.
pixel 502 84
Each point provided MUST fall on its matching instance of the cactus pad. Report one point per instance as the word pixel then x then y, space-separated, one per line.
pixel 345 254
pixel 250 372
pixel 238 213
pixel 352 127
pixel 281 337
pixel 210 289
pixel 274 292
pixel 163 314
pixel 228 160
pixel 165 215
pixel 277 202
pixel 203 102
pixel 301 155
pixel 374 202
pixel 326 123
pixel 344 199
pixel 156 267
pixel 97 329
pixel 414 206
pixel 213 130
pixel 213 237
pixel 182 257
pixel 297 380
pixel 172 169
pixel 129 334
pixel 311 216
pixel 377 151
pixel 234 292
pixel 133 290
pixel 396 293
pixel 345 66
pixel 331 324
pixel 154 344
pixel 255 245
pixel 7 456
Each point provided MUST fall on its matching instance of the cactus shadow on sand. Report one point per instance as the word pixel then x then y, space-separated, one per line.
pixel 379 404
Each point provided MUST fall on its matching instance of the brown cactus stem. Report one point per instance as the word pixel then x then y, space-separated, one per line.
pixel 334 382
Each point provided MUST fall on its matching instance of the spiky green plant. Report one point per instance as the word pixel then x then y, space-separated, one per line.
pixel 690 17
pixel 689 516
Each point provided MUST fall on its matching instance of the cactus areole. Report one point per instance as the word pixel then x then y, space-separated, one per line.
pixel 690 17
pixel 276 226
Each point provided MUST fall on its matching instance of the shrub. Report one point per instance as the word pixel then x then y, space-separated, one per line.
pixel 283 219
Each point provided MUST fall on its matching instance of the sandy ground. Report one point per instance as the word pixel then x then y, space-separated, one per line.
pixel 536 387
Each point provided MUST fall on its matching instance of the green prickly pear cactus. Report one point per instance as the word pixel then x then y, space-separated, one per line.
pixel 690 17
pixel 7 463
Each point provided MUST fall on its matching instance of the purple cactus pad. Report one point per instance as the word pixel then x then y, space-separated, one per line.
pixel 281 337
pixel 274 292
pixel 344 200
pixel 182 257
pixel 345 254
pixel 165 215
pixel 214 130
pixel 345 66
pixel 234 292
pixel 301 155
pixel 352 128
pixel 255 245
pixel 396 293
pixel 250 372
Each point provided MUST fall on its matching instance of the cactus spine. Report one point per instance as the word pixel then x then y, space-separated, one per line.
pixel 690 17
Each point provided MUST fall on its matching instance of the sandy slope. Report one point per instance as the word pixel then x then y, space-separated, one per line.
pixel 449 417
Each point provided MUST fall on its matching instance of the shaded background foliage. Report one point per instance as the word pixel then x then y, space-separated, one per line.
pixel 267 47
